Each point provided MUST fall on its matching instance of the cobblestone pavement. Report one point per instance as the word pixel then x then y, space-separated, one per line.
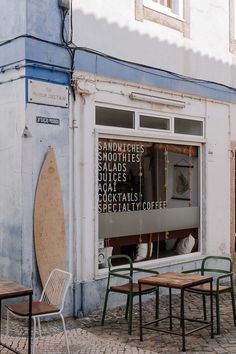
pixel 86 336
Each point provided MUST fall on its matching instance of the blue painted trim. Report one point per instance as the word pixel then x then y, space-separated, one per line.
pixel 56 56
pixel 48 65
pixel 48 75
pixel 24 48
pixel 118 69
pixel 46 53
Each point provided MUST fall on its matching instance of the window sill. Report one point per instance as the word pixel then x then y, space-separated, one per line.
pixel 158 263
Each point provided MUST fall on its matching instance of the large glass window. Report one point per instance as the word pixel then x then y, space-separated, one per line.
pixel 148 199
pixel 188 126
pixel 154 122
pixel 114 117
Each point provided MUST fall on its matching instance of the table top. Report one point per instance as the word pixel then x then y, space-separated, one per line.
pixel 175 280
pixel 9 288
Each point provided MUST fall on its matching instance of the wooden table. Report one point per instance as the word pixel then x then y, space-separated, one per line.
pixel 9 289
pixel 181 281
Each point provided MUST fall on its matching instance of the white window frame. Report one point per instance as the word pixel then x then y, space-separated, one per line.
pixel 155 115
pixel 192 119
pixel 177 18
pixel 152 135
pixel 99 133
pixel 176 10
pixel 150 132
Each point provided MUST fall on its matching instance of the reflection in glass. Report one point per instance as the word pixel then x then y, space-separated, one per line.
pixel 154 123
pixel 114 117
pixel 148 197
pixel 188 126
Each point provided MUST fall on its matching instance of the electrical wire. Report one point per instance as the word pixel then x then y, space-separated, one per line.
pixel 12 80
pixel 129 64
pixel 23 36
pixel 72 48
pixel 67 43
pixel 153 70
pixel 17 66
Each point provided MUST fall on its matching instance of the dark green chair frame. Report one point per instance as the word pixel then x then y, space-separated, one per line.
pixel 130 288
pixel 218 287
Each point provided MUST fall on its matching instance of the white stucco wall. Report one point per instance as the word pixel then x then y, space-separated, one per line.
pixel 12 118
pixel 114 30
pixel 233 122
pixel 217 179
pixel 214 182
pixel 13 18
pixel 35 149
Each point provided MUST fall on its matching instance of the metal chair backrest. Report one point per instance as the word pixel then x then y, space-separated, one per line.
pixel 216 264
pixel 56 287
pixel 128 266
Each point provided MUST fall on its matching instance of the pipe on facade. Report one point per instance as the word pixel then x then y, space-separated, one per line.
pixel 78 292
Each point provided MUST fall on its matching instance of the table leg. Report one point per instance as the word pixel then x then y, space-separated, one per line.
pixel 140 314
pixel 182 320
pixel 30 323
pixel 211 299
pixel 0 320
pixel 170 308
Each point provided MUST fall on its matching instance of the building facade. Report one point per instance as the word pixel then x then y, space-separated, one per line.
pixel 145 140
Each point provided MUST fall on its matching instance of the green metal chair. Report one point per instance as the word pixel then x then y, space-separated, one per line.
pixel 130 288
pixel 221 270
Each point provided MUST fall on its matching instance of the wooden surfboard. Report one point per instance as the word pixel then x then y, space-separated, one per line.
pixel 49 226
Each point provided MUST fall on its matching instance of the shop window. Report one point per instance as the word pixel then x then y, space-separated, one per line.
pixel 114 117
pixel 148 199
pixel 188 126
pixel 154 122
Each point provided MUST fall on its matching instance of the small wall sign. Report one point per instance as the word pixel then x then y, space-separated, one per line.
pixel 47 120
pixel 48 94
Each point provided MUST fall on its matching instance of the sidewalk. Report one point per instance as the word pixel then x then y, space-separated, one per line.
pixel 86 336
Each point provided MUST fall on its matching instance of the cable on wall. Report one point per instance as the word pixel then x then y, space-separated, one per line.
pixel 72 48
pixel 66 9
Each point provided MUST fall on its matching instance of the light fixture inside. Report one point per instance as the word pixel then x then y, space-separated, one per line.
pixel 156 99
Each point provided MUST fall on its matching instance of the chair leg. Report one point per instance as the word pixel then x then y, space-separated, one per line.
pixel 157 306
pixel 66 338
pixel 104 308
pixel 39 327
pixel 217 314
pixel 34 333
pixel 233 304
pixel 130 314
pixel 127 308
pixel 8 321
pixel 204 307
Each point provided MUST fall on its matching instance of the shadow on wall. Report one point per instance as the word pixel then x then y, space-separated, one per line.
pixel 131 45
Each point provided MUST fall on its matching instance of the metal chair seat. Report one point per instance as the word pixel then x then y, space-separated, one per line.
pixel 206 288
pixel 125 288
pixel 38 308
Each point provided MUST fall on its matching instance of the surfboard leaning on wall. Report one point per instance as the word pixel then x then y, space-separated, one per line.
pixel 49 225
